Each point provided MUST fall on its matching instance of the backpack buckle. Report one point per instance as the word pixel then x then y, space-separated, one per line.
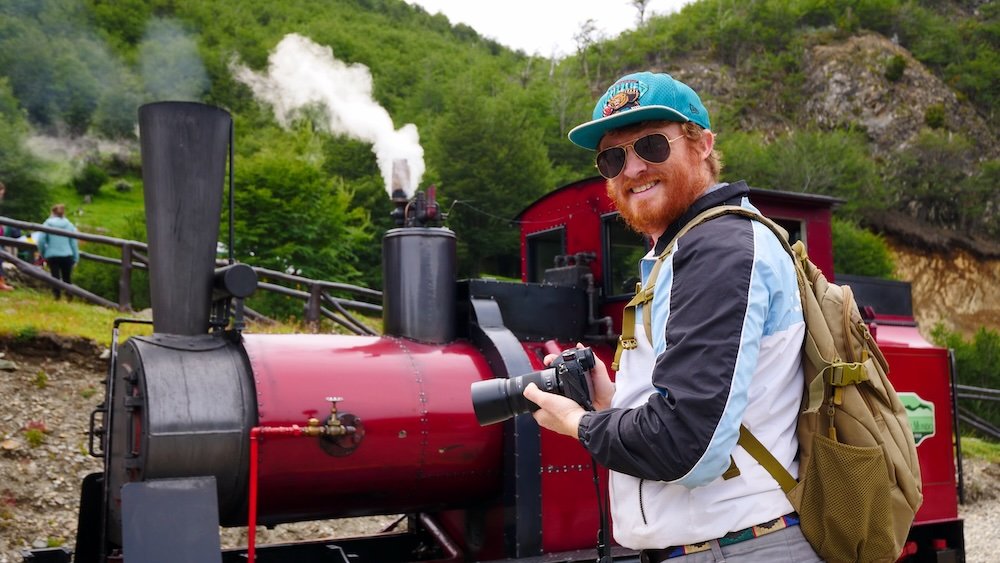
pixel 844 374
pixel 628 343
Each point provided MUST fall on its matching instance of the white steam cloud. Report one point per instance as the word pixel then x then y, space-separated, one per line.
pixel 301 73
pixel 171 66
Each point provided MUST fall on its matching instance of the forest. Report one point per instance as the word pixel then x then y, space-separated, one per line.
pixel 490 122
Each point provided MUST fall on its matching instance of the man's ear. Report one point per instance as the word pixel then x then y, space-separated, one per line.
pixel 708 143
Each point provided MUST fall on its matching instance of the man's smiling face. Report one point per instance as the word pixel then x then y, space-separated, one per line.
pixel 649 195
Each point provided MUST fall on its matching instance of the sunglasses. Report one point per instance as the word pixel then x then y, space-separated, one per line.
pixel 653 148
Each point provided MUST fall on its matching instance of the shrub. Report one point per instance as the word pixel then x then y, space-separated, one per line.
pixel 26 334
pixel 859 252
pixel 894 68
pixel 90 180
pixel 934 116
pixel 975 365
pixel 35 437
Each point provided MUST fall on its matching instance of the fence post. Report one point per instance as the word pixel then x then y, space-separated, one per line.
pixel 125 280
pixel 313 305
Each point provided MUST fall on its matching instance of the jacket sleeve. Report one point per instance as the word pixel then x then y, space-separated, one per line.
pixel 688 427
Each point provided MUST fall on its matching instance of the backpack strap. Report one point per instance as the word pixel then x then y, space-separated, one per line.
pixel 644 295
pixel 764 457
pixel 747 440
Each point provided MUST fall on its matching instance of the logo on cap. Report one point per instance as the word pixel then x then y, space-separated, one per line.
pixel 623 95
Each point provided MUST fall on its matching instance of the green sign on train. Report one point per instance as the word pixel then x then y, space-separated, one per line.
pixel 921 415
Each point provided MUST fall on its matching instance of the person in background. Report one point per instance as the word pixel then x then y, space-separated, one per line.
pixel 3 282
pixel 59 251
pixel 724 346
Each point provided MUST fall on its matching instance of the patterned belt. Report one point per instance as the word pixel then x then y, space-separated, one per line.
pixel 658 555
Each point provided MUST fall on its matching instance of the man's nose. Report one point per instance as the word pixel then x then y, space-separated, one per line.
pixel 634 165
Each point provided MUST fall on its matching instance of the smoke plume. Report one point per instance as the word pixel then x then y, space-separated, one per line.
pixel 301 73
pixel 171 66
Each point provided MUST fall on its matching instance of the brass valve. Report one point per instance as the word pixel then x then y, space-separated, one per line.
pixel 332 427
pixel 333 420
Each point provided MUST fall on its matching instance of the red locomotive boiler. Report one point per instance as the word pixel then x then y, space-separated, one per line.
pixel 206 425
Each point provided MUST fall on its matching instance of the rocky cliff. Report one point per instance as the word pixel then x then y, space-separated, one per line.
pixel 846 86
pixel 954 288
pixel 955 276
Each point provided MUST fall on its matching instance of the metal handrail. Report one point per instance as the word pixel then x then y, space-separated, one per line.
pixel 966 416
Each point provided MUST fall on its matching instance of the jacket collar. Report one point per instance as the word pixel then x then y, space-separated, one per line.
pixel 726 194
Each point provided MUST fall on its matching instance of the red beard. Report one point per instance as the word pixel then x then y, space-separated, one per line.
pixel 652 215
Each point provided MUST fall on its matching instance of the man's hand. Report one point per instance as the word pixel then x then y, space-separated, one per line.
pixel 604 388
pixel 557 413
pixel 562 414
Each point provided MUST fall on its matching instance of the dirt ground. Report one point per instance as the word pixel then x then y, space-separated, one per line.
pixel 49 385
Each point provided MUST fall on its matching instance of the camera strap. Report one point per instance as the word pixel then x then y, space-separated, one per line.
pixel 603 543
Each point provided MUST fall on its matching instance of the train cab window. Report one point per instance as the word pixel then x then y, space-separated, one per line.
pixel 623 248
pixel 543 247
pixel 795 228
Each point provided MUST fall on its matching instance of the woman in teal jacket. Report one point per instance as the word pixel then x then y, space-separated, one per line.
pixel 59 251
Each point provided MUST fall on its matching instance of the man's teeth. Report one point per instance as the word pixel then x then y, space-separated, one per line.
pixel 642 188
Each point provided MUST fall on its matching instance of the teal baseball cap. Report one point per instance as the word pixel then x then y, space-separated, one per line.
pixel 641 96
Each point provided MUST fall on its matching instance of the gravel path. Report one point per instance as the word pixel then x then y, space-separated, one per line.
pixel 48 394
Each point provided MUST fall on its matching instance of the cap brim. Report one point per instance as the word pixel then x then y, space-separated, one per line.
pixel 588 135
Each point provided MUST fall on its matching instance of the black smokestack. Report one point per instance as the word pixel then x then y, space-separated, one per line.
pixel 184 150
pixel 418 268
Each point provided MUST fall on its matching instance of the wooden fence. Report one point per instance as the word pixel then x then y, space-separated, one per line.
pixel 319 302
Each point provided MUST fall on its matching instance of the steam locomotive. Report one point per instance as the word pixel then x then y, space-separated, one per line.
pixel 205 425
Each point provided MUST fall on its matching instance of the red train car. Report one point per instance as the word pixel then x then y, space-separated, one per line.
pixel 204 425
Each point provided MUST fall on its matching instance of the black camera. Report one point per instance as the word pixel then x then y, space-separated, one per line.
pixel 496 400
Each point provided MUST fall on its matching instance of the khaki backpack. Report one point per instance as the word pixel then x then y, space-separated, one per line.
pixel 859 478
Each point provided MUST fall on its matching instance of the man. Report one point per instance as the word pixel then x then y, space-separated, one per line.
pixel 727 330
pixel 3 283
pixel 61 252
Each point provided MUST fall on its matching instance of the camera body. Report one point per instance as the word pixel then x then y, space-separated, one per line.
pixel 496 400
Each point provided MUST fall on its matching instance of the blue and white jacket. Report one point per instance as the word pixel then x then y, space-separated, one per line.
pixel 727 331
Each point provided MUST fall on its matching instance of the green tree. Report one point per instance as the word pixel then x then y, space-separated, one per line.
pixel 492 163
pixel 834 163
pixel 58 67
pixel 355 162
pixel 27 197
pixel 932 180
pixel 984 184
pixel 123 20
pixel 292 218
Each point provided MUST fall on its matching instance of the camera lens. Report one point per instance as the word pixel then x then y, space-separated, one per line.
pixel 496 400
